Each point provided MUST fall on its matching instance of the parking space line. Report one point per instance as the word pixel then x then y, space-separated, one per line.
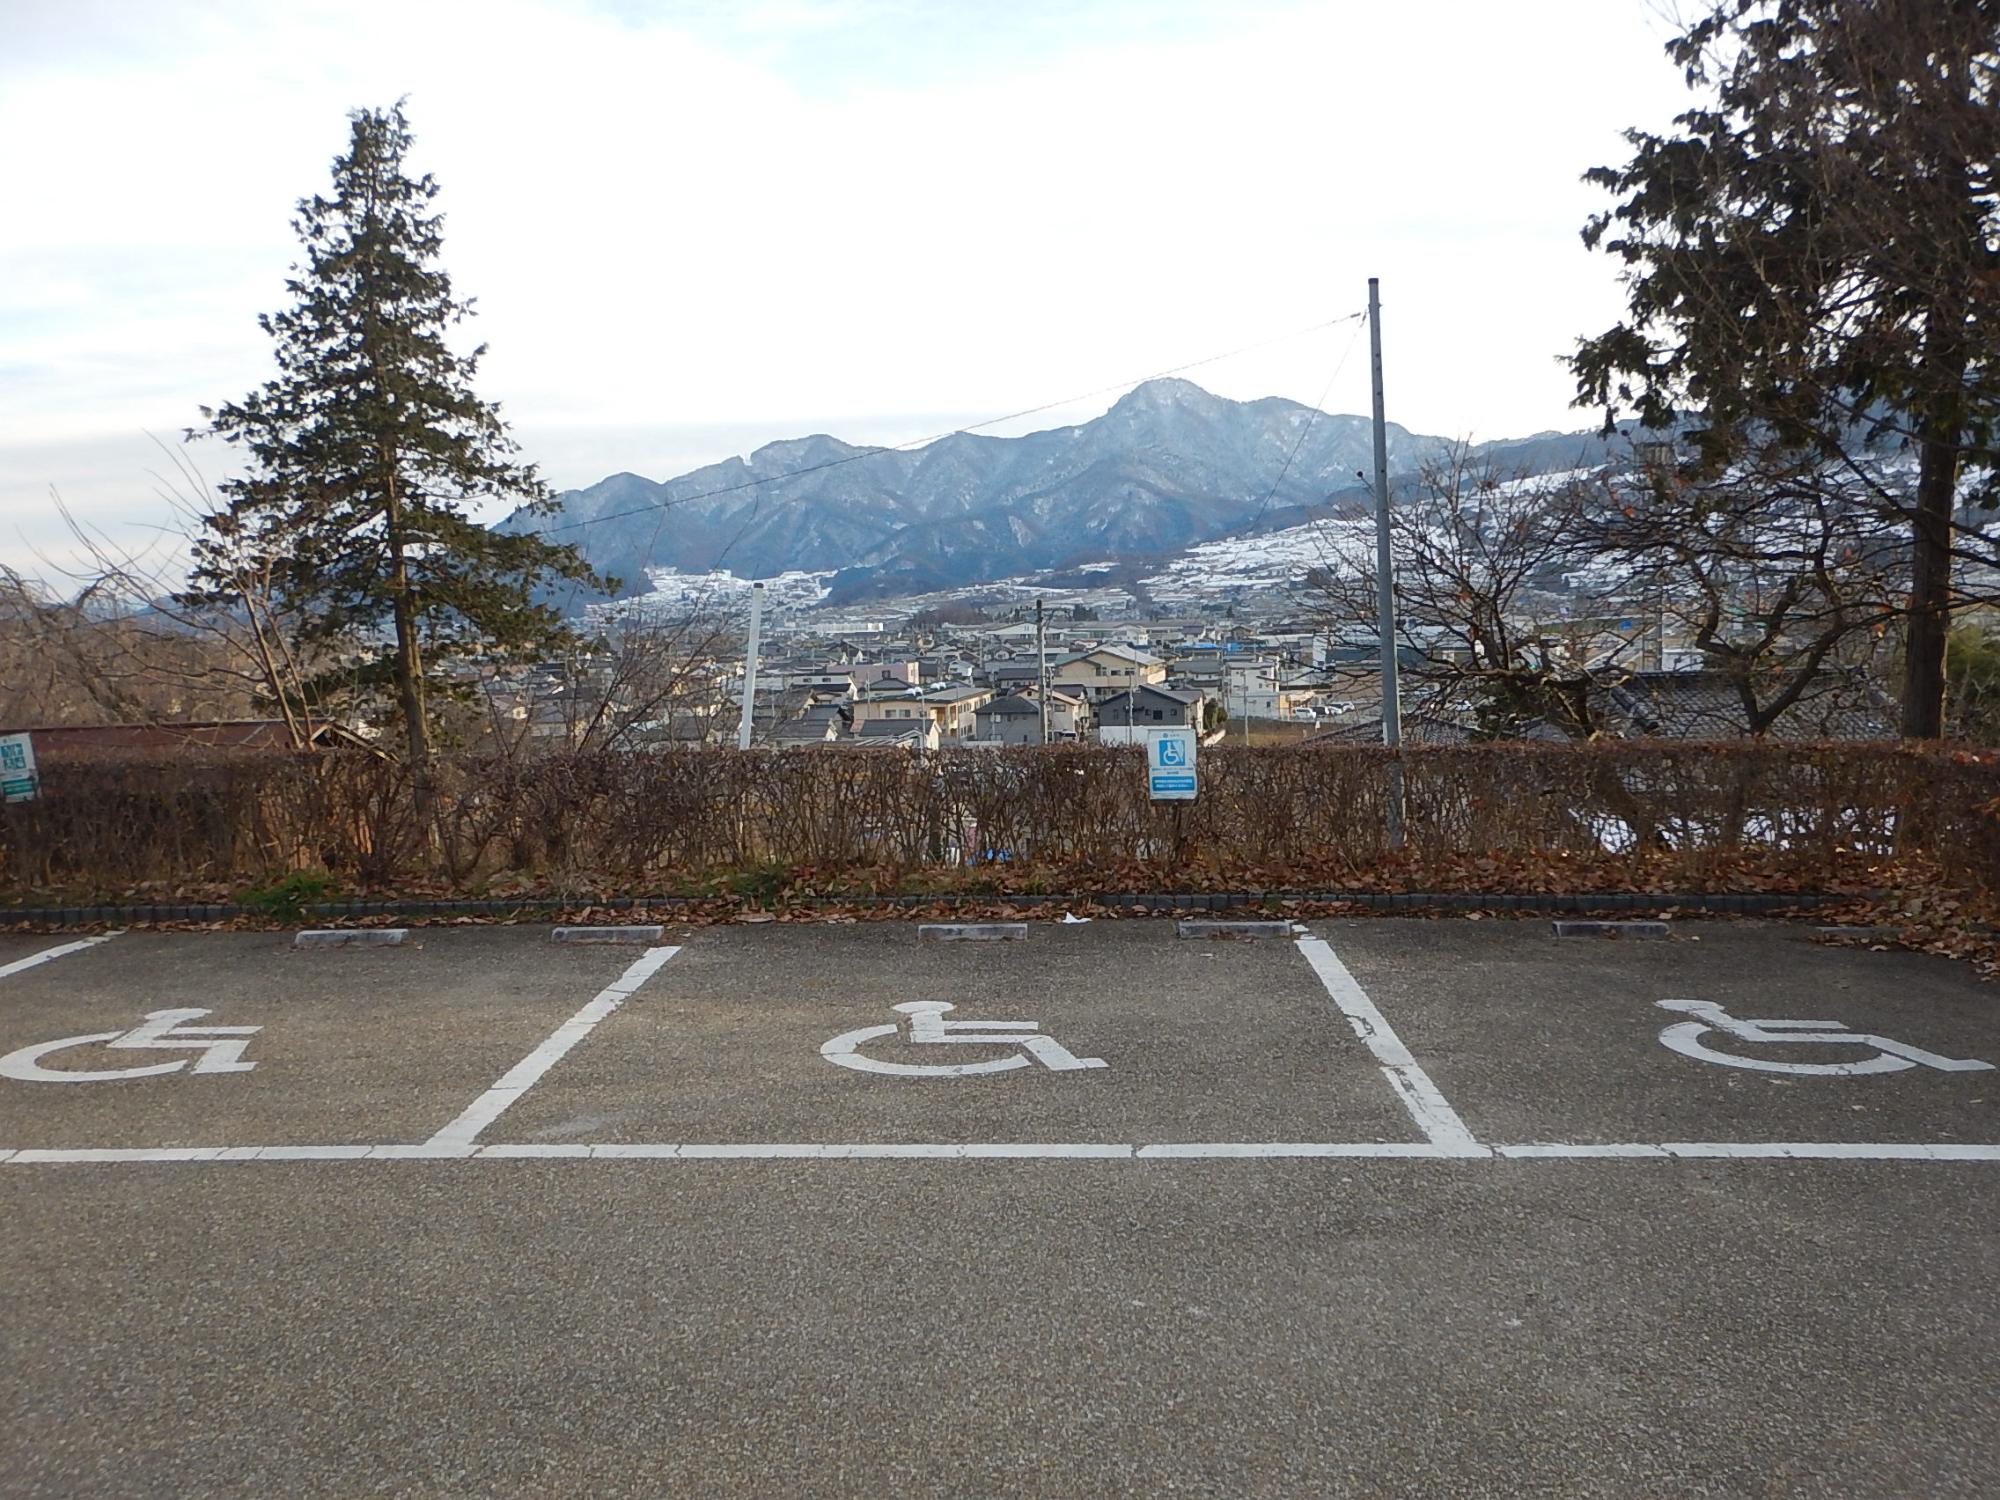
pixel 61 951
pixel 1757 1151
pixel 725 1151
pixel 101 1155
pixel 526 1073
pixel 1434 1116
pixel 1217 1150
pixel 1832 1150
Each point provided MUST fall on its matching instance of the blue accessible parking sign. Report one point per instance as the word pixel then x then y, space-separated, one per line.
pixel 1170 764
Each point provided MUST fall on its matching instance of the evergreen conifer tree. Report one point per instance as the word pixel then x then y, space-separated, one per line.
pixel 1812 259
pixel 366 448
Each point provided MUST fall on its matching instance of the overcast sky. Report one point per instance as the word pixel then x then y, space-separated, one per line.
pixel 694 227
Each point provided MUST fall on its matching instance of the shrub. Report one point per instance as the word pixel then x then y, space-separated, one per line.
pixel 1740 815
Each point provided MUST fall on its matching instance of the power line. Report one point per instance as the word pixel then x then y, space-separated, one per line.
pixel 1305 432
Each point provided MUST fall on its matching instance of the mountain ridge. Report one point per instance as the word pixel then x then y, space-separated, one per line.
pixel 1168 466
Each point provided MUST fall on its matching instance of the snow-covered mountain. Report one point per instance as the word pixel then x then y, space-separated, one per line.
pixel 1170 466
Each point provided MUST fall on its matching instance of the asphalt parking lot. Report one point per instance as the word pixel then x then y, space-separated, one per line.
pixel 1383 1207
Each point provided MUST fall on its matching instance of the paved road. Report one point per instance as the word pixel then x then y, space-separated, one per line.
pixel 1707 1312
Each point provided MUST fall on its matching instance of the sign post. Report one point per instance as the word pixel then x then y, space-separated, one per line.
pixel 1170 768
pixel 18 779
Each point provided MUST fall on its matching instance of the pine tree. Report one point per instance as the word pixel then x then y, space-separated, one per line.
pixel 364 451
pixel 1813 262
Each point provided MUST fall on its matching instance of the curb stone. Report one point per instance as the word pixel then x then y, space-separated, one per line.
pixel 1610 929
pixel 352 937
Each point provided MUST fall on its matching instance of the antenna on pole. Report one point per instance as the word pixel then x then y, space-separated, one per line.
pixel 750 667
pixel 1385 581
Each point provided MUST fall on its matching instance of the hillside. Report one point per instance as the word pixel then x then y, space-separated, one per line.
pixel 1168 467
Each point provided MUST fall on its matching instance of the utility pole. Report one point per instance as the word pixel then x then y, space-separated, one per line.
pixel 1042 670
pixel 1385 582
pixel 750 667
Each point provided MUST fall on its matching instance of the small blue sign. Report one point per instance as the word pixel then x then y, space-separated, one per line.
pixel 19 781
pixel 1170 764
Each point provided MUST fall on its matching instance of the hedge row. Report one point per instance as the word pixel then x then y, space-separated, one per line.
pixel 1708 816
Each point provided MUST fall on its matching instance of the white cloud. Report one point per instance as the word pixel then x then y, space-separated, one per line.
pixel 778 217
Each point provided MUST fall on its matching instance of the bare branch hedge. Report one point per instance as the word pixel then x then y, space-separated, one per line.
pixel 1738 815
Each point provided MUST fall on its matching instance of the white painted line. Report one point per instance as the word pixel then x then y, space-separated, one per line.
pixel 49 954
pixel 1435 1118
pixel 526 1073
pixel 1218 1150
pixel 118 1154
pixel 1747 1151
pixel 1755 1151
pixel 1830 1151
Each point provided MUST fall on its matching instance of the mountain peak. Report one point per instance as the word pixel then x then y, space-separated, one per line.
pixel 797 453
pixel 1164 393
pixel 1170 466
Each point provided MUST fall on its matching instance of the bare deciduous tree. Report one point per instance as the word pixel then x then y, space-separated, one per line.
pixel 1777 573
pixel 1482 619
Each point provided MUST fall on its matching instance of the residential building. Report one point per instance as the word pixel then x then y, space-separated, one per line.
pixel 878 676
pixel 1012 676
pixel 903 704
pixel 1013 720
pixel 1707 705
pixel 1017 718
pixel 1103 670
pixel 895 734
pixel 950 710
pixel 1124 718
pixel 955 711
pixel 820 724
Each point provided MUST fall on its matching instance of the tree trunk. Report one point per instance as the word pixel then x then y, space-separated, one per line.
pixel 1946 361
pixel 409 653
pixel 1930 588
pixel 410 669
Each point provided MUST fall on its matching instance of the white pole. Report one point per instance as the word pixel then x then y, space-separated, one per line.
pixel 1042 670
pixel 1385 582
pixel 750 667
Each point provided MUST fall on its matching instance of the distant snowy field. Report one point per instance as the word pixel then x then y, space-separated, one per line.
pixel 679 596
pixel 1239 564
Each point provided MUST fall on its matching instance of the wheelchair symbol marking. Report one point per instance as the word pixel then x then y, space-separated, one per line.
pixel 1891 1056
pixel 1173 753
pixel 161 1030
pixel 928 1028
